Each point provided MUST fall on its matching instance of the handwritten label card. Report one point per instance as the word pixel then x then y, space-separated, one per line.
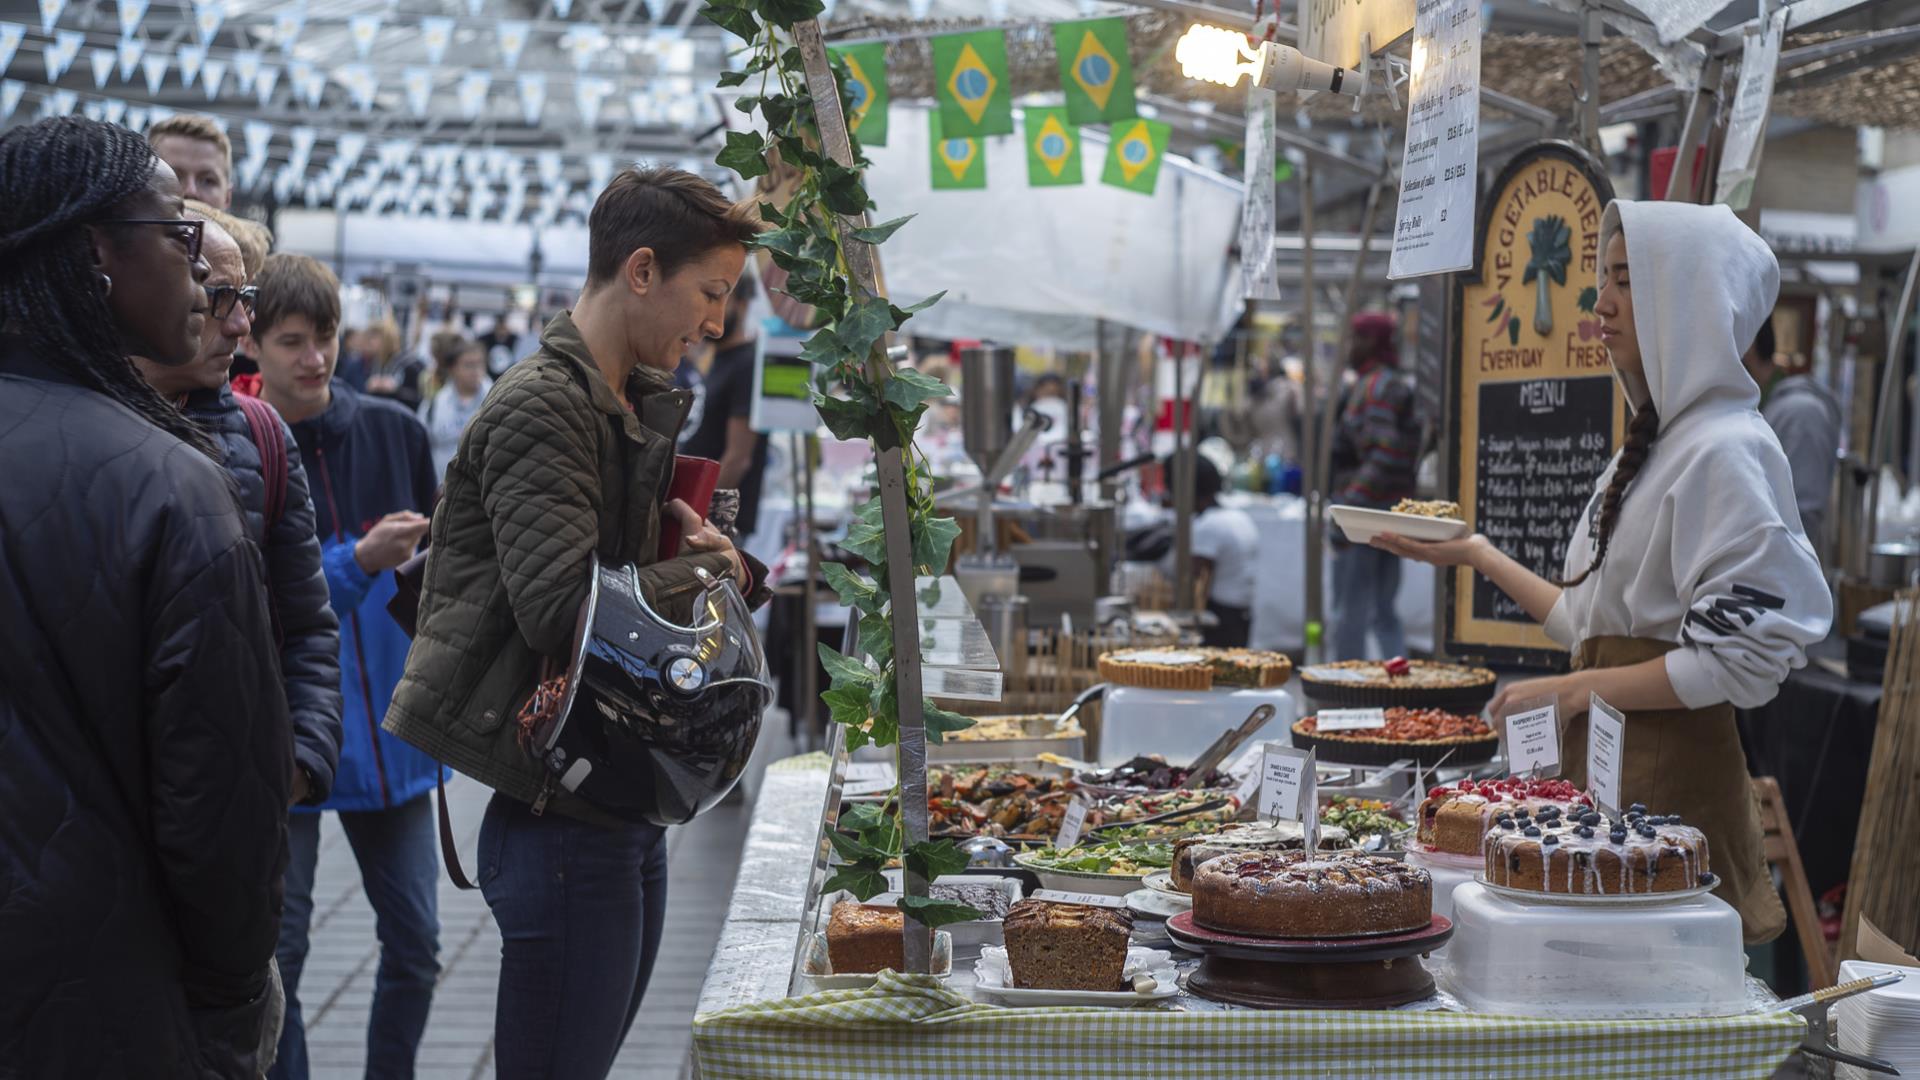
pixel 1533 742
pixel 1053 896
pixel 1287 786
pixel 1071 823
pixel 1350 719
pixel 1250 784
pixel 1606 751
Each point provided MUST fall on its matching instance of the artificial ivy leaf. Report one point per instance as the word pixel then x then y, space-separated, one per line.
pixel 865 819
pixel 940 721
pixel 854 850
pixel 782 242
pixel 933 859
pixel 853 590
pixel 777 110
pixel 824 348
pixel 886 713
pixel 877 234
pixel 901 315
pixel 795 151
pixel 772 214
pixel 856 737
pixel 867 323
pixel 792 59
pixel 848 704
pixel 935 913
pixel 908 388
pixel 734 78
pixel 732 16
pixel 841 190
pixel 876 639
pixel 932 542
pixel 866 535
pixel 784 13
pixel 745 154
pixel 746 103
pixel 864 882
pixel 845 670
pixel 846 419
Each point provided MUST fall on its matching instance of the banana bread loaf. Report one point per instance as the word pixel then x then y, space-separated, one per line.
pixel 1067 946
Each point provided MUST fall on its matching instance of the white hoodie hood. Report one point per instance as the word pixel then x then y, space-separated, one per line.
pixel 1708 551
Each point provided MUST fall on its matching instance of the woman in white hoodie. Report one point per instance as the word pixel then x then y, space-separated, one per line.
pixel 1690 587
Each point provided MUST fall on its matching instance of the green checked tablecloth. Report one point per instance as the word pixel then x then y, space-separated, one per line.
pixel 909 1027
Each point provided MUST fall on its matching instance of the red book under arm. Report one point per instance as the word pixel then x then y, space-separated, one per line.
pixel 694 480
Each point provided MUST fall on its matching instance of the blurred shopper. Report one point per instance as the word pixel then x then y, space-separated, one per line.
pixel 260 454
pixel 724 429
pixel 568 460
pixel 374 483
pixel 1226 544
pixel 462 383
pixel 1376 444
pixel 392 372
pixel 144 746
pixel 1806 417
pixel 199 154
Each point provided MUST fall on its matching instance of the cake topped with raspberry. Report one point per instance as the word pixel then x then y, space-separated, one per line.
pixel 1455 818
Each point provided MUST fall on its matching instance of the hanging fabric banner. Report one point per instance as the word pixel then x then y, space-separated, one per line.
pixel 130 12
pixel 301 137
pixel 1096 70
pixel 61 52
pixel 1053 147
pixel 259 135
pixel 207 17
pixel 1747 118
pixel 191 57
pixel 212 73
pixel 867 87
pixel 102 61
pixel 128 52
pixel 970 83
pixel 359 82
pixel 513 38
pixel 599 171
pixel 154 67
pixel 473 93
pixel 347 150
pixel 957 163
pixel 263 86
pixel 50 14
pixel 533 96
pixel 364 30
pixel 589 93
pixel 313 87
pixel 1133 157
pixel 417 82
pixel 287 26
pixel 246 68
pixel 435 32
pixel 11 34
pixel 11 90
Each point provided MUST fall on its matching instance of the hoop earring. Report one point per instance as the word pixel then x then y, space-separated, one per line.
pixel 106 286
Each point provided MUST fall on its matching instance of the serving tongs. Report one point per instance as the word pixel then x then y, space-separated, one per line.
pixel 1161 819
pixel 1813 1009
pixel 1224 746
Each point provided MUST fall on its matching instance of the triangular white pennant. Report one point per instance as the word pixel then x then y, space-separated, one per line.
pixel 359 81
pixel 61 52
pixel 131 12
pixel 246 68
pixel 549 164
pixel 50 11
pixel 313 87
pixel 657 10
pixel 996 9
pixel 212 73
pixel 639 109
pixel 154 67
pixel 129 51
pixel 474 86
pixel 207 17
pixel 418 84
pixel 301 138
pixel 435 32
pixel 919 8
pixel 563 8
pixel 62 102
pixel 512 36
pixel 11 34
pixel 588 94
pixel 102 60
pixel 364 28
pixel 283 184
pixel 259 136
pixel 263 86
pixel 347 150
pixel 395 153
pixel 137 118
pixel 475 7
pixel 190 57
pixel 158 114
pixel 113 110
pixel 287 26
pixel 533 96
pixel 11 91
pixel 599 170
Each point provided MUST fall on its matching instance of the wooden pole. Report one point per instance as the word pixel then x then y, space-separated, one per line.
pixel 1309 468
pixel 1885 863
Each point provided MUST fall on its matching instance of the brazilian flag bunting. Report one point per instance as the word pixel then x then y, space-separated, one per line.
pixel 1095 70
pixel 970 83
pixel 867 87
pixel 958 163
pixel 1053 148
pixel 1133 157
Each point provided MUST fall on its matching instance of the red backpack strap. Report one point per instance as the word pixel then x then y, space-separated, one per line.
pixel 270 439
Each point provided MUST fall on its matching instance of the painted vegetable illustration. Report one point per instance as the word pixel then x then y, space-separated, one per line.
pixel 1589 328
pixel 1548 242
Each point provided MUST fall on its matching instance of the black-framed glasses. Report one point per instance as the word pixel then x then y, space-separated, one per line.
pixel 221 298
pixel 191 231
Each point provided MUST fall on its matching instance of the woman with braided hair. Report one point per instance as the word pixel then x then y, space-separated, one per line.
pixel 145 752
pixel 1689 587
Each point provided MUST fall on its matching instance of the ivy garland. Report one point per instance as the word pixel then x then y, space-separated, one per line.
pixel 881 405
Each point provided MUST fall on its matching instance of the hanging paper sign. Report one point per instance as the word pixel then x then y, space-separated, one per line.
pixel 11 91
pixel 287 26
pixel 246 68
pixel 130 12
pixel 154 67
pixel 1533 741
pixel 1606 754
pixel 207 17
pixel 512 36
pixel 1433 230
pixel 473 93
pixel 1057 896
pixel 61 52
pixel 1257 258
pixel 263 86
pixel 1747 120
pixel 11 34
pixel 533 96
pixel 191 58
pixel 363 29
pixel 417 83
pixel 1340 31
pixel 102 61
pixel 50 14
pixel 435 32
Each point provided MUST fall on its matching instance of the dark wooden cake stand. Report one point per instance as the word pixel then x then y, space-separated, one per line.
pixel 1310 973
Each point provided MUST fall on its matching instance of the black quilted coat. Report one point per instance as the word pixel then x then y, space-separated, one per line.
pixel 309 632
pixel 144 747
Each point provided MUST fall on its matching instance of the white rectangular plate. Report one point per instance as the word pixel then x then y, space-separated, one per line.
pixel 1362 525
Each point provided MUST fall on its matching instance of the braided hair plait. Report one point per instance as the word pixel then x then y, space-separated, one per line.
pixel 60 175
pixel 1641 431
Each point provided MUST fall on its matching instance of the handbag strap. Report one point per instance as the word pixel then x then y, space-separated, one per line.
pixel 270 440
pixel 450 851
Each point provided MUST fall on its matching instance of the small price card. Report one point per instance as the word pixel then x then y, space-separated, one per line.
pixel 1250 784
pixel 1350 720
pixel 1071 823
pixel 1533 741
pixel 868 778
pixel 1288 788
pixel 1052 896
pixel 1606 751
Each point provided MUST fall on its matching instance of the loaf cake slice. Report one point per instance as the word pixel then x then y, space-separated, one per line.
pixel 1067 946
pixel 865 938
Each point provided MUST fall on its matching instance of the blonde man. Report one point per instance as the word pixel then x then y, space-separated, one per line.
pixel 200 155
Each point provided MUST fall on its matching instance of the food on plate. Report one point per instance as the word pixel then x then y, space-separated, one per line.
pixel 1198 668
pixel 1299 894
pixel 1005 728
pixel 864 938
pixel 1399 681
pixel 1409 725
pixel 1361 818
pixel 995 800
pixel 1153 774
pixel 1123 858
pixel 1556 851
pixel 1237 837
pixel 1455 819
pixel 987 898
pixel 1433 508
pixel 1067 946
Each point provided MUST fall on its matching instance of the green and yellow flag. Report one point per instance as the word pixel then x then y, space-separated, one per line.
pixel 958 163
pixel 1053 148
pixel 970 83
pixel 1095 70
pixel 1133 158
pixel 867 86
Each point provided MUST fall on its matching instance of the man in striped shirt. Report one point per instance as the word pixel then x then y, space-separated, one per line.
pixel 1376 446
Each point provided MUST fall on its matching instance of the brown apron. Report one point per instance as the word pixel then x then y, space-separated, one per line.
pixel 1689 762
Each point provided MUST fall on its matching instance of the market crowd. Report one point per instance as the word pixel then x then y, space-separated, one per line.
pixel 205 503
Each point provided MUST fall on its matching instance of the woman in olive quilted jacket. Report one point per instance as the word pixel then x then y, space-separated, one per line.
pixel 568 458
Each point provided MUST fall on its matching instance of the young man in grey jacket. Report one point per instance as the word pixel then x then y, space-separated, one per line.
pixel 1806 417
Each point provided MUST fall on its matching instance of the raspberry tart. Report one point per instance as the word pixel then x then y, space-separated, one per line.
pixel 1298 894
pixel 1584 853
pixel 1455 819
pixel 1383 684
pixel 1426 735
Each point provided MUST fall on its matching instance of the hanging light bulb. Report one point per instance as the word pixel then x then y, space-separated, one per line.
pixel 1216 55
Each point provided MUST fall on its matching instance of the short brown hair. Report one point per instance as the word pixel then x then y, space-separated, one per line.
pixel 675 213
pixel 296 285
pixel 193 126
pixel 254 239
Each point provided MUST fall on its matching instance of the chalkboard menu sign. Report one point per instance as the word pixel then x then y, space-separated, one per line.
pixel 1534 411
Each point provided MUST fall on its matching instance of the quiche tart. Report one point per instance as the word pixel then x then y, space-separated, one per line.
pixel 1433 508
pixel 1365 684
pixel 1199 668
pixel 1425 735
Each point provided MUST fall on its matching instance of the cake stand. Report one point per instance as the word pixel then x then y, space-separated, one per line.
pixel 1310 973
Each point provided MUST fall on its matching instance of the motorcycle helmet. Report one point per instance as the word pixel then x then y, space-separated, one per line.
pixel 658 718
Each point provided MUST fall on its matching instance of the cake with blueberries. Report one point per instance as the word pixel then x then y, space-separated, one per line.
pixel 1584 852
pixel 1301 894
pixel 1455 819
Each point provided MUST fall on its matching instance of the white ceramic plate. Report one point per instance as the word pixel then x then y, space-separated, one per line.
pixel 1361 525
pixel 992 978
pixel 1528 896
pixel 1161 881
pixel 1158 905
pixel 1077 881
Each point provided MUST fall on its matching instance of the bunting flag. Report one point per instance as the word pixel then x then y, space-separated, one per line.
pixel 113 110
pixel 158 114
pixel 359 81
pixel 1053 147
pixel 259 136
pixel 213 72
pixel 657 11
pixel 136 118
pixel 102 60
pixel 582 42
pixel 475 7
pixel 970 83
pixel 867 90
pixel 512 35
pixel 1133 157
pixel 50 14
pixel 246 68
pixel 313 87
pixel 61 52
pixel 599 171
pixel 473 161
pixel 364 29
pixel 11 90
pixel 589 93
pixel 11 34
pixel 191 57
pixel 473 89
pixel 640 110
pixel 563 8
pixel 128 52
pixel 207 17
pixel 62 102
pixel 393 154
pixel 919 8
pixel 533 96
pixel 301 137
pixel 996 9
pixel 287 26
pixel 263 86
pixel 131 12
pixel 435 32
pixel 958 163
pixel 417 82
pixel 154 67
pixel 1096 70
pixel 347 149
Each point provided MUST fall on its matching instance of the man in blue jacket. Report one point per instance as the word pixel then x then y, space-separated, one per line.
pixel 372 475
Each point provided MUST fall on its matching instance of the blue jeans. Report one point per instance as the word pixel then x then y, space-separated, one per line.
pixel 1366 582
pixel 580 909
pixel 400 869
